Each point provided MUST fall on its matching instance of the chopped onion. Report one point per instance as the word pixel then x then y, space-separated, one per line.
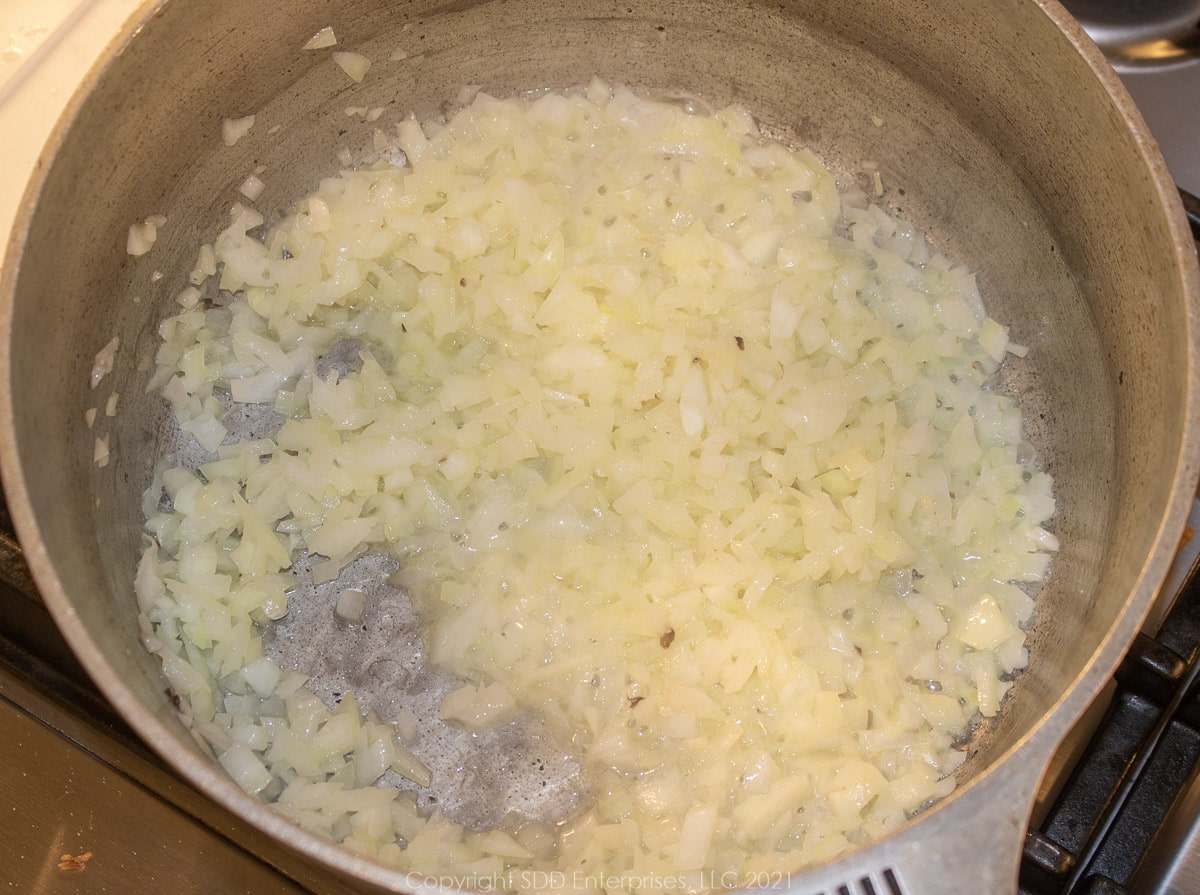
pixel 478 708
pixel 353 64
pixel 233 129
pixel 350 605
pixel 252 187
pixel 323 38
pixel 100 452
pixel 143 236
pixel 683 450
pixel 103 363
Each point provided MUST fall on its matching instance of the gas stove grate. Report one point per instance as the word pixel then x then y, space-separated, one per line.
pixel 1135 768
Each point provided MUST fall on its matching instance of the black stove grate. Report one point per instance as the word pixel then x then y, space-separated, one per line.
pixel 1191 207
pixel 1137 764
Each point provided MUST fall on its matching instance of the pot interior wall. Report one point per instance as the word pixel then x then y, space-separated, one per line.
pixel 959 107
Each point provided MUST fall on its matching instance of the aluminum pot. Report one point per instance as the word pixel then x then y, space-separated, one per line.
pixel 997 127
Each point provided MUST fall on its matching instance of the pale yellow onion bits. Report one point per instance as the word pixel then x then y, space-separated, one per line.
pixel 678 448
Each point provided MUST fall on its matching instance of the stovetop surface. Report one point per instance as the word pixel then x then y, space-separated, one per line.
pixel 1134 784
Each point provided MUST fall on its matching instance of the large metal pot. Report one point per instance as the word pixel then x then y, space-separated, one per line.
pixel 995 126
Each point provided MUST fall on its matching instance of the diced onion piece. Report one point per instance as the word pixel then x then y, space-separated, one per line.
pixel 410 767
pixel 323 38
pixel 261 388
pixel 477 707
pixel 350 605
pixel 233 129
pixel 353 64
pixel 497 842
pixel 695 837
pixel 252 187
pixel 986 626
pixel 993 338
pixel 142 236
pixel 263 675
pixel 245 768
pixel 103 363
pixel 100 451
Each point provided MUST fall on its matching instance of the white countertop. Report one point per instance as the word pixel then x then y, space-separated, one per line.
pixel 24 27
pixel 46 48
